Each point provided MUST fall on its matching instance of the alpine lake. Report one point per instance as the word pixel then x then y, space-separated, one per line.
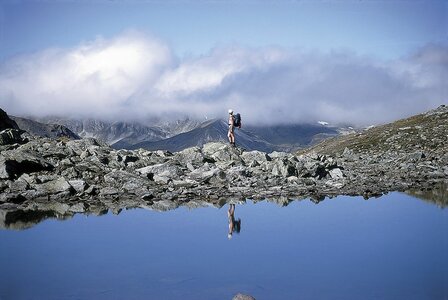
pixel 391 247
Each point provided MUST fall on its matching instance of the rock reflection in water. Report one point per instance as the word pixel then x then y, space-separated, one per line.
pixel 24 219
pixel 437 195
pixel 16 217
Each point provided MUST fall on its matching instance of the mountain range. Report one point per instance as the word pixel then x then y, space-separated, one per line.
pixel 179 134
pixel 44 130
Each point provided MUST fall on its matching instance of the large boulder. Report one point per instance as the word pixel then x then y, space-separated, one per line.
pixel 221 152
pixel 58 185
pixel 86 144
pixel 191 155
pixel 283 167
pixel 165 169
pixel 207 173
pixel 252 157
pixel 12 166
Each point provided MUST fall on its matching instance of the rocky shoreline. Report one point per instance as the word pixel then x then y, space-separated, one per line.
pixel 81 176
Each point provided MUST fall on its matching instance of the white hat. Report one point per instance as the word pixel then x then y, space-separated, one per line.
pixel 230 111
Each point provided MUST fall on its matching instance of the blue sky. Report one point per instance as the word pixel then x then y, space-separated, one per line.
pixel 342 61
pixel 381 28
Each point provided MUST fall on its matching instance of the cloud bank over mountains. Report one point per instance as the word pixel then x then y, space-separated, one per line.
pixel 136 76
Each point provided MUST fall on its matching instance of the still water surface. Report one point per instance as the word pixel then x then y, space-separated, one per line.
pixel 393 247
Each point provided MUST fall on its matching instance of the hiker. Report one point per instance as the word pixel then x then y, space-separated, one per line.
pixel 234 121
pixel 231 134
pixel 233 224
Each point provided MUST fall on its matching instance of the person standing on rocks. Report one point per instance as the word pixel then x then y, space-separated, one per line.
pixel 231 133
pixel 234 225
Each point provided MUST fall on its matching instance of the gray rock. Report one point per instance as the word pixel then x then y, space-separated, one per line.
pixel 109 191
pixel 283 167
pixel 222 152
pixel 334 184
pixel 162 179
pixel 281 155
pixel 3 185
pixel 12 198
pixel 92 190
pixel 54 186
pixel 18 163
pixel 79 185
pixel 18 186
pixel 255 156
pixel 242 297
pixel 205 174
pixel 192 156
pixel 168 169
pixel 336 173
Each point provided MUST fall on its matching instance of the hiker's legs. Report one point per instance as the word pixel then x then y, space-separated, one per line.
pixel 231 136
pixel 231 209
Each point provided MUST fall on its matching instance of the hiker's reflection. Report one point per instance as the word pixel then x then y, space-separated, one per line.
pixel 234 225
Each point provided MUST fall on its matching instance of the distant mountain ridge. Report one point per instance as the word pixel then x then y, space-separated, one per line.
pixel 213 130
pixel 44 130
pixel 180 134
pixel 123 134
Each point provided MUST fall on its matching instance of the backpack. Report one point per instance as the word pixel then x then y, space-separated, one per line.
pixel 237 120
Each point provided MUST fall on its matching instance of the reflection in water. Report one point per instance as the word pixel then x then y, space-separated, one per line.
pixel 234 225
pixel 345 248
pixel 24 219
pixel 437 195
pixel 15 217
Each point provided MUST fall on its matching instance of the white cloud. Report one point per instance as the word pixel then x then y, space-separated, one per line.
pixel 136 76
pixel 92 79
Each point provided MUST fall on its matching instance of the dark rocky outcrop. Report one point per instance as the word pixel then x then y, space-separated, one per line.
pixel 11 136
pixel 88 176
pixel 6 122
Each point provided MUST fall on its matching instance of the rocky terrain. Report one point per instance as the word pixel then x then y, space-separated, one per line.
pixel 42 177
